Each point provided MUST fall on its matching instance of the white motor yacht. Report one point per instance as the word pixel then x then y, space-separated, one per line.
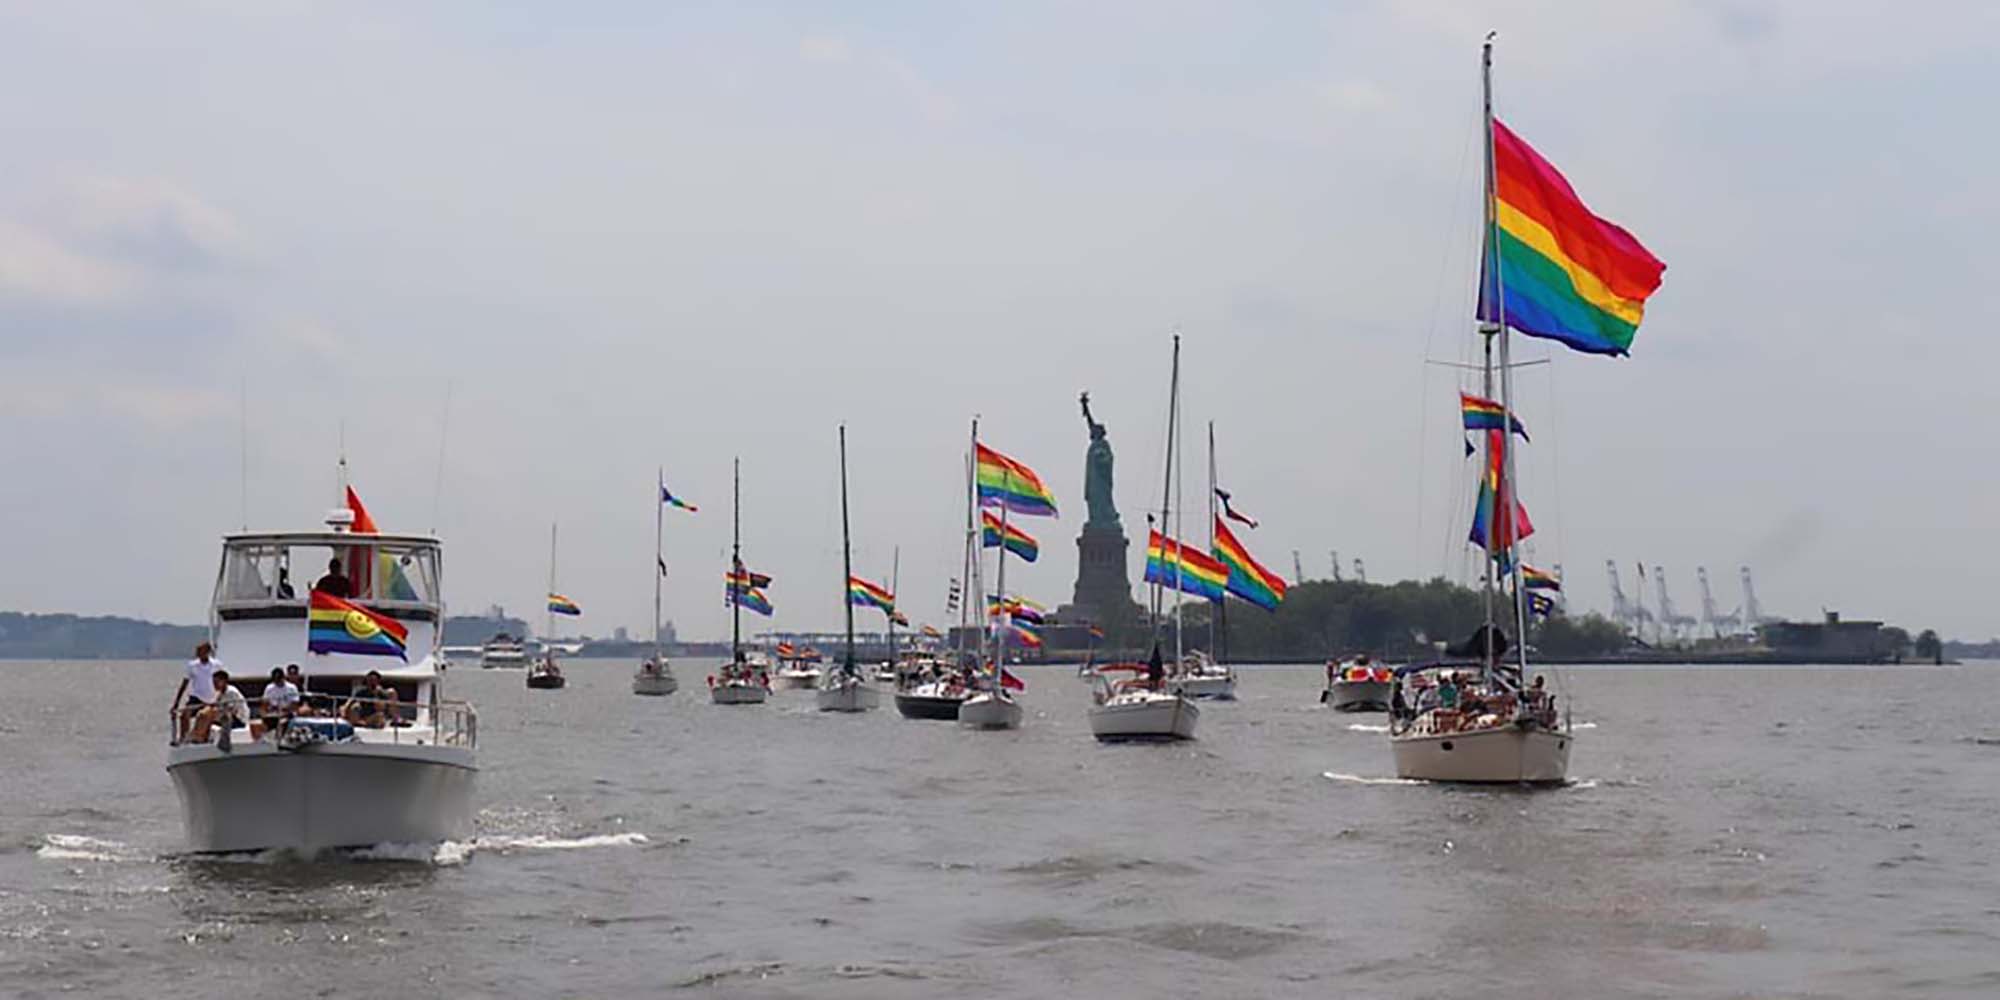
pixel 318 781
pixel 798 673
pixel 1357 686
pixel 503 652
pixel 1129 708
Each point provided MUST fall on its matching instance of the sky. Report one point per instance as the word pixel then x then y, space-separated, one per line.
pixel 516 259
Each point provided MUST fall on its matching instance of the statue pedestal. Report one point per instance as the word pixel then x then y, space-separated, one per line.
pixel 1103 590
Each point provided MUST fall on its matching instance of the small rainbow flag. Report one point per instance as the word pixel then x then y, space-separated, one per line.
pixel 864 594
pixel 1026 635
pixel 1096 633
pixel 1566 274
pixel 563 606
pixel 1486 415
pixel 1188 570
pixel 1539 579
pixel 1004 482
pixel 335 625
pixel 750 599
pixel 1496 543
pixel 667 497
pixel 743 579
pixel 1247 579
pixel 993 533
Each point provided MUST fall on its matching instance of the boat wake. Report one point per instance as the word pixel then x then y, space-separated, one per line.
pixel 1360 780
pixel 1367 727
pixel 72 847
pixel 538 842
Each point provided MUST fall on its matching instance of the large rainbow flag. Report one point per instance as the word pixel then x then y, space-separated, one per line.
pixel 1567 274
pixel 1247 579
pixel 1004 482
pixel 864 594
pixel 334 625
pixel 1189 570
pixel 993 534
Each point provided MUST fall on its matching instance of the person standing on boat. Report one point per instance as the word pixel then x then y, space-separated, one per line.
pixel 197 684
pixel 334 583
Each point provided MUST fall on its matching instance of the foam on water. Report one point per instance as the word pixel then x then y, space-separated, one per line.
pixel 1360 780
pixel 538 842
pixel 1366 727
pixel 73 847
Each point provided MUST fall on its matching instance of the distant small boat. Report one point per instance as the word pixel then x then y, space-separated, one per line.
pixel 502 652
pixel 655 675
pixel 545 675
pixel 746 678
pixel 934 700
pixel 1130 708
pixel 1357 686
pixel 1201 677
pixel 843 689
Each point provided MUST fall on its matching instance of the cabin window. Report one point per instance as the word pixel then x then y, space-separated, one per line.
pixel 249 572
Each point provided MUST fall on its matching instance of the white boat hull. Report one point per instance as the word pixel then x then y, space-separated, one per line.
pixel 858 697
pixel 986 711
pixel 737 694
pixel 1507 755
pixel 796 680
pixel 1206 688
pixel 322 795
pixel 655 684
pixel 1166 718
pixel 1359 696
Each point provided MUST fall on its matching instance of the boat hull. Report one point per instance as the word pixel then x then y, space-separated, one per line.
pixel 547 682
pixel 796 680
pixel 848 698
pixel 737 694
pixel 1206 688
pixel 655 684
pixel 1506 755
pixel 1154 719
pixel 321 796
pixel 1359 696
pixel 985 711
pixel 917 706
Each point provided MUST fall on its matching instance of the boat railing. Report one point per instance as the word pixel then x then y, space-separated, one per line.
pixel 451 723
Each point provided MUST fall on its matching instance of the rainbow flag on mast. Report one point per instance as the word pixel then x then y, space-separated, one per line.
pixel 1189 570
pixel 993 535
pixel 1004 482
pixel 1247 578
pixel 865 594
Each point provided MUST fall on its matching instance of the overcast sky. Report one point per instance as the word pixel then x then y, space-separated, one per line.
pixel 623 236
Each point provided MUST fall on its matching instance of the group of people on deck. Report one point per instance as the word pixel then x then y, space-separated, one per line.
pixel 1456 701
pixel 207 701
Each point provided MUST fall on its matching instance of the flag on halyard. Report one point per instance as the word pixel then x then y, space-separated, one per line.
pixel 1004 482
pixel 1566 273
pixel 337 625
pixel 865 594
pixel 993 533
pixel 1479 414
pixel 667 497
pixel 563 606
pixel 1189 570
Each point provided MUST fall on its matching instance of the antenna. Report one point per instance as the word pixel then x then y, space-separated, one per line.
pixel 244 482
pixel 1333 557
pixel 1298 568
pixel 437 488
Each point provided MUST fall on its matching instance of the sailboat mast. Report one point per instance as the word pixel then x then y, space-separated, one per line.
pixel 846 557
pixel 659 557
pixel 975 581
pixel 1180 502
pixel 1503 518
pixel 1006 609
pixel 1221 605
pixel 1167 487
pixel 548 606
pixel 1489 328
pixel 895 587
pixel 735 561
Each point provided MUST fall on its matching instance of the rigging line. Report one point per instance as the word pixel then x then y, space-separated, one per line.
pixel 1555 455
pixel 1430 335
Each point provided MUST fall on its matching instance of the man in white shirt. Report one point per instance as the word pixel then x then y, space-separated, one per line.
pixel 280 700
pixel 198 683
pixel 230 709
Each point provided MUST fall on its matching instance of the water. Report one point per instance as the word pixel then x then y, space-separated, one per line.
pixel 1732 833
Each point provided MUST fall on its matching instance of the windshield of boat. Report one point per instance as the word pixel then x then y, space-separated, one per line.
pixel 381 572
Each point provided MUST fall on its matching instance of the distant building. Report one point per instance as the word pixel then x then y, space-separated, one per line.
pixel 667 636
pixel 474 630
pixel 618 634
pixel 1830 641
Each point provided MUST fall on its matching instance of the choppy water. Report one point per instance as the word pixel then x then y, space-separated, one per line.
pixel 1732 833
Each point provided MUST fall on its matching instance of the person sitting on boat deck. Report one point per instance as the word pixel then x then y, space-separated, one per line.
pixel 298 682
pixel 334 583
pixel 197 684
pixel 1447 692
pixel 279 702
pixel 285 591
pixel 229 708
pixel 372 705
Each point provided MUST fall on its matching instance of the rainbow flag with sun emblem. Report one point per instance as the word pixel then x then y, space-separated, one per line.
pixel 334 625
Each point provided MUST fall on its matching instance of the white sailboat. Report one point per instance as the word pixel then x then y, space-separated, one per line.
pixel 738 682
pixel 1141 708
pixel 655 675
pixel 1477 719
pixel 844 688
pixel 545 674
pixel 992 706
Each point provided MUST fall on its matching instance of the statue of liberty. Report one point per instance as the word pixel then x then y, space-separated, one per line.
pixel 1097 473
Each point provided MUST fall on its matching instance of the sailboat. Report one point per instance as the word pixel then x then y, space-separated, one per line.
pixel 844 689
pixel 655 675
pixel 1140 707
pixel 994 706
pixel 1550 268
pixel 738 682
pixel 545 675
pixel 1201 672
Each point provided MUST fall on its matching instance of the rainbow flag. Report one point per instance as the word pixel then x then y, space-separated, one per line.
pixel 1490 501
pixel 667 497
pixel 1539 579
pixel 1566 274
pixel 1096 633
pixel 334 625
pixel 563 606
pixel 1026 635
pixel 743 579
pixel 1486 415
pixel 1004 482
pixel 750 599
pixel 1247 579
pixel 863 594
pixel 1018 608
pixel 993 534
pixel 1188 570
pixel 931 632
